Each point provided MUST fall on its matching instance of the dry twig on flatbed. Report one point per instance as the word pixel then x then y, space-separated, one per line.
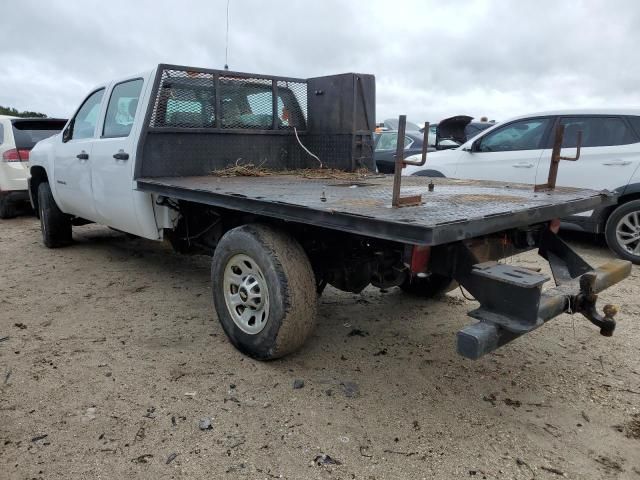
pixel 242 170
pixel 251 170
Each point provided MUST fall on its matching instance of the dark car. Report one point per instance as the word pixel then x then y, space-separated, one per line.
pixel 458 129
pixel 392 124
pixel 385 148
pixel 386 142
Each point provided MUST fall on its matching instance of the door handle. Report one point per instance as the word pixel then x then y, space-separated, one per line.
pixel 121 155
pixel 522 165
pixel 617 162
pixel 82 155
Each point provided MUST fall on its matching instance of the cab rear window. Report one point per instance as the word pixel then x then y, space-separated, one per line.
pixel 191 103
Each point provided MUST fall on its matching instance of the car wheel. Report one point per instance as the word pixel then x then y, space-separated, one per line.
pixel 623 231
pixel 55 225
pixel 7 209
pixel 264 291
pixel 428 287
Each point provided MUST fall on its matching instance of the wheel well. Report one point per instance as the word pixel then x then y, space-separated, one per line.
pixel 621 201
pixel 38 176
pixel 628 197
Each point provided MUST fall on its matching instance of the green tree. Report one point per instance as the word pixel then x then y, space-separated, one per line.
pixel 15 113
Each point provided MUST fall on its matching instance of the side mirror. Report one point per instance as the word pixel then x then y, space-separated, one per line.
pixel 66 134
pixel 475 146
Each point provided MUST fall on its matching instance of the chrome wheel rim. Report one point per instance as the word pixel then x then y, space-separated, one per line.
pixel 246 294
pixel 628 233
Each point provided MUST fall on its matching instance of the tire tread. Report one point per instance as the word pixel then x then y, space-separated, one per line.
pixel 58 224
pixel 296 285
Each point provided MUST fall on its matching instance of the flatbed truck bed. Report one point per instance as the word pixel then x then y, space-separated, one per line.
pixel 454 210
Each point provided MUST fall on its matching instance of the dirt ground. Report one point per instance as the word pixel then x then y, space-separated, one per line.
pixel 111 355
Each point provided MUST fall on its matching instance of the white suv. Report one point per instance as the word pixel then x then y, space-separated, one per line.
pixel 519 150
pixel 17 137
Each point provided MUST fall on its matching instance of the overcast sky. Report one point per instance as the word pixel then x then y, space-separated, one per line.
pixel 431 60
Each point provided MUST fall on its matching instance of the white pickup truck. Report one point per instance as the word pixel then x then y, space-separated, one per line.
pixel 228 162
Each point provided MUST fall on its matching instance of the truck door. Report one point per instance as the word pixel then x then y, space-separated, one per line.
pixel 73 157
pixel 113 159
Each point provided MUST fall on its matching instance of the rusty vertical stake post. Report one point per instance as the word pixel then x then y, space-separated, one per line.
pixel 556 157
pixel 399 160
pixel 425 143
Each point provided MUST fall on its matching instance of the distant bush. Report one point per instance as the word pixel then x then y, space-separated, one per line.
pixel 15 113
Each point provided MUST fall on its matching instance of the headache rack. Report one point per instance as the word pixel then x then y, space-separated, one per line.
pixel 232 117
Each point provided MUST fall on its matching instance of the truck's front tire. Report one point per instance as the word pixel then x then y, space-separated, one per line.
pixel 55 225
pixel 264 291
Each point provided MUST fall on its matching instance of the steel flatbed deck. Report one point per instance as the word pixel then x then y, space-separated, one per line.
pixel 454 210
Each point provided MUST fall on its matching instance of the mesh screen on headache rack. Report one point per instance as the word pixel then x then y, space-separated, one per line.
pixel 231 117
pixel 188 99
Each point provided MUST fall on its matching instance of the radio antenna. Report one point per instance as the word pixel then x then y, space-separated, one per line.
pixel 226 48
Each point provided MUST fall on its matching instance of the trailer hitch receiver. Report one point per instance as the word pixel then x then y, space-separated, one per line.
pixel 512 301
pixel 586 305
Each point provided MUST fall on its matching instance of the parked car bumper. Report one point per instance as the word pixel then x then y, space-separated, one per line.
pixel 13 176
pixel 15 195
pixel 592 223
pixel 385 167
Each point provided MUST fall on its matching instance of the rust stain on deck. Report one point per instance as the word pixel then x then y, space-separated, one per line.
pixel 359 202
pixel 479 198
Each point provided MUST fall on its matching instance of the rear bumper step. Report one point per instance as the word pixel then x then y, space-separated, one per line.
pixel 511 298
pixel 487 335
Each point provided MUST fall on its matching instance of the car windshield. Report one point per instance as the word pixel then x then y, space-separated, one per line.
pixel 29 132
pixel 472 130
pixel 389 141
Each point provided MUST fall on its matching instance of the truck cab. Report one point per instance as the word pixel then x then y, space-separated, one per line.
pixel 89 165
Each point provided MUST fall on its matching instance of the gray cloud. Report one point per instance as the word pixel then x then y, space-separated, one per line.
pixel 431 59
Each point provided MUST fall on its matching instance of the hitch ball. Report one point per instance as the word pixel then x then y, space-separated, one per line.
pixel 609 323
pixel 610 311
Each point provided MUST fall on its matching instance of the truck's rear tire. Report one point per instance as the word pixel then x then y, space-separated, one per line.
pixel 622 231
pixel 55 225
pixel 264 291
pixel 429 286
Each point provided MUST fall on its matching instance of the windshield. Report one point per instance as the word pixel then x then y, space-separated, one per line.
pixel 29 132
pixel 474 129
